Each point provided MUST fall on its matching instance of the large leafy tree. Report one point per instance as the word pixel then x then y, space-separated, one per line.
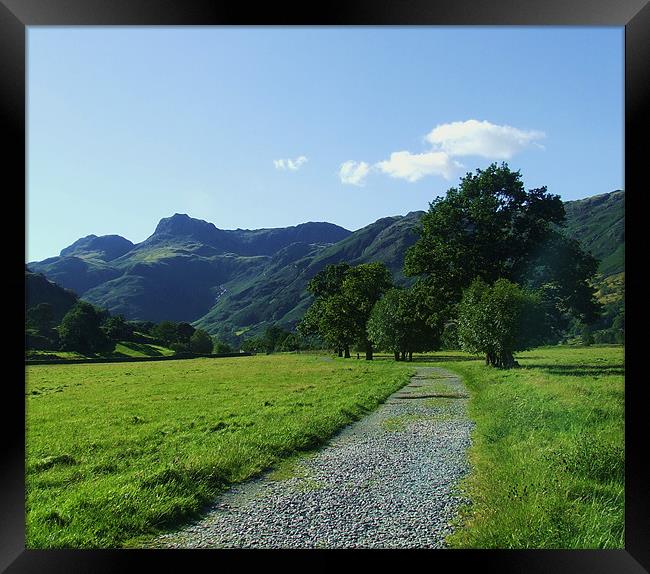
pixel 491 227
pixel 361 288
pixel 344 298
pixel 332 319
pixel 497 320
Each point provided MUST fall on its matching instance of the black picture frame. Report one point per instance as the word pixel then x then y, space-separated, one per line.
pixel 17 15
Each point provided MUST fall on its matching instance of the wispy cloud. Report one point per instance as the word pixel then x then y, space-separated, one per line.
pixel 354 172
pixel 482 139
pixel 290 164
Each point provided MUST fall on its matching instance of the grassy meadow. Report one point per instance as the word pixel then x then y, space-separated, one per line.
pixel 548 451
pixel 116 452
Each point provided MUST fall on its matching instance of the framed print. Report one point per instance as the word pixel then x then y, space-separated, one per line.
pixel 321 281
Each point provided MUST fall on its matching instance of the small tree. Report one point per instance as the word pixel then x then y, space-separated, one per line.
pixel 201 342
pixel 40 318
pixel 401 323
pixel 117 329
pixel 498 320
pixel 80 329
pixel 221 347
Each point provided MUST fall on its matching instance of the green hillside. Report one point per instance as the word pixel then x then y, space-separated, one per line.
pixel 279 295
pixel 38 289
pixel 598 223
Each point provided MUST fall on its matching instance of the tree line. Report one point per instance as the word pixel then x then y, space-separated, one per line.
pixel 492 273
pixel 88 329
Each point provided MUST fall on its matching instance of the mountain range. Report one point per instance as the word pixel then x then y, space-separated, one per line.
pixel 232 282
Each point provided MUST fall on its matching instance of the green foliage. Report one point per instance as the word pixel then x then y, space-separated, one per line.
pixel 587 336
pixel 174 335
pixel 80 329
pixel 329 281
pixel 40 318
pixel 400 322
pixel 345 297
pixel 221 347
pixel 274 339
pixel 292 342
pixel 201 342
pixel 117 329
pixel 490 227
pixel 497 320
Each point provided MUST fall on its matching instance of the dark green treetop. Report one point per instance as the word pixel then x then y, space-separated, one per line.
pixel 491 227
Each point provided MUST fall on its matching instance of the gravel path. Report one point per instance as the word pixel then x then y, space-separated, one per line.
pixel 387 481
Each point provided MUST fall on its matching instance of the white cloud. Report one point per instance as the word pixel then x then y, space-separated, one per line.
pixel 290 164
pixel 414 166
pixel 482 139
pixel 354 173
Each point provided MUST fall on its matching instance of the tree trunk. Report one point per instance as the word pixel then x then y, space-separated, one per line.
pixel 340 352
pixel 410 356
pixel 403 355
pixel 347 352
pixel 507 361
pixel 368 352
pixel 397 355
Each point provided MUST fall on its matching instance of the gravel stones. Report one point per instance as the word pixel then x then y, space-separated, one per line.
pixel 387 481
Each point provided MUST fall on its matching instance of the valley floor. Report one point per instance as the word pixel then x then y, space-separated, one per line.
pixel 119 454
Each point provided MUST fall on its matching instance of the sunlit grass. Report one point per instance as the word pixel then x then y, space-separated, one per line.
pixel 548 452
pixel 117 451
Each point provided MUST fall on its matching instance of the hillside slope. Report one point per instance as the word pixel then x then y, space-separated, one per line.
pixel 179 271
pixel 38 289
pixel 598 223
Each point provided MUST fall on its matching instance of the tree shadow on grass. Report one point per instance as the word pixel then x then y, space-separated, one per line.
pixel 578 370
pixel 445 359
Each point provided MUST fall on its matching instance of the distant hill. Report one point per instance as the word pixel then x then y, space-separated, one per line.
pixel 279 295
pixel 38 289
pixel 180 270
pixel 598 223
pixel 231 282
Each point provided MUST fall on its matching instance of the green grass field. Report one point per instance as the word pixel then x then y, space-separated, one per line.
pixel 548 451
pixel 117 451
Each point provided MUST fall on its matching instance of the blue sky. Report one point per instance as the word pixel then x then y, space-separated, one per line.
pixel 270 126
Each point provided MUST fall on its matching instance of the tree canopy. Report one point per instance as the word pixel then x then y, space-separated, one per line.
pixel 201 342
pixel 80 329
pixel 491 227
pixel 401 323
pixel 344 298
pixel 499 319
